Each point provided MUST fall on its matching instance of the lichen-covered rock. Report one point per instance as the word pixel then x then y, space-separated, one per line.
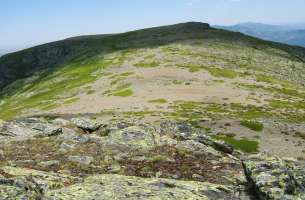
pixel 27 128
pixel 274 178
pixel 104 187
pixel 180 130
pixel 45 180
pixel 17 189
pixel 110 127
pixel 197 148
pixel 86 124
pixel 22 183
pixel 217 144
pixel 46 129
pixel 140 152
pixel 184 131
pixel 132 137
pixel 84 160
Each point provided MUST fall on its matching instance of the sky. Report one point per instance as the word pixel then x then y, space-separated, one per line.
pixel 24 23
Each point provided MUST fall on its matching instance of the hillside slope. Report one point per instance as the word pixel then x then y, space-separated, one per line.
pixel 177 112
pixel 242 89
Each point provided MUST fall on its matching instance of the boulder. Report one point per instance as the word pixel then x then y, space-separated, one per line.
pixel 86 124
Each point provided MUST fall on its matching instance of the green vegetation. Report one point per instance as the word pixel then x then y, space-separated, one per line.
pixel 177 82
pixel 217 72
pixel 123 93
pixel 50 106
pixel 194 68
pixel 66 75
pixel 245 145
pixel 127 74
pixel 283 91
pixel 266 79
pixel 253 125
pixel 72 100
pixel 288 104
pixel 44 92
pixel 116 78
pixel 161 101
pixel 144 64
pixel 225 73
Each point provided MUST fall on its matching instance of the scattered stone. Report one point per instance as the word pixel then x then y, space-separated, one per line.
pixel 66 147
pixel 49 163
pixel 84 160
pixel 86 124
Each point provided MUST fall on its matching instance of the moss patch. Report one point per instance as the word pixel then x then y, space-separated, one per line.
pixel 245 145
pixel 123 93
pixel 253 125
pixel 72 100
pixel 161 101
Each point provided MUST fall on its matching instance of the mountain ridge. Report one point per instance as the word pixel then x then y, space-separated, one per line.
pixel 58 52
pixel 293 35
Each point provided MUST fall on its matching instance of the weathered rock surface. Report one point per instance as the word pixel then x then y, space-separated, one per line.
pixel 133 160
pixel 86 124
pixel 22 183
pixel 125 187
pixel 27 128
pixel 184 131
pixel 275 178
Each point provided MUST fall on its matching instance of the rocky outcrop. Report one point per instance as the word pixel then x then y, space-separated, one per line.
pixel 22 183
pixel 17 183
pixel 125 187
pixel 185 131
pixel 274 178
pixel 83 159
pixel 27 128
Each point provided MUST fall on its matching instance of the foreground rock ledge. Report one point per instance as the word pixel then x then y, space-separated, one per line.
pixel 53 159
pixel 276 178
pixel 124 187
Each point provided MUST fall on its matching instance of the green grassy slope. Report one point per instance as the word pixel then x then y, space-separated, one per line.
pixel 42 77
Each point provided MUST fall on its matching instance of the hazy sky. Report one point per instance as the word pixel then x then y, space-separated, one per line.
pixel 29 22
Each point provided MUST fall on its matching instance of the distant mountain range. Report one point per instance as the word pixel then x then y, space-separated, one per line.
pixel 289 34
pixel 2 52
